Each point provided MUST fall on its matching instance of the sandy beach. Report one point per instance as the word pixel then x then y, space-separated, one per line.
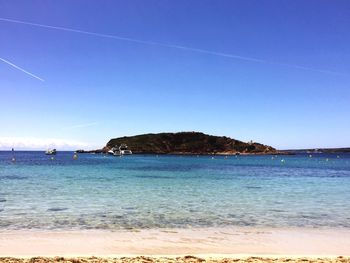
pixel 169 245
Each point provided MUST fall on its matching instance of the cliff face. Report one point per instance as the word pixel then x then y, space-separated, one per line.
pixel 188 143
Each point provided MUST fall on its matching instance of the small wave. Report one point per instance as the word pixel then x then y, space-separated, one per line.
pixel 129 208
pixel 57 209
pixel 277 210
pixel 309 216
pixel 13 177
pixel 168 168
pixel 253 187
pixel 153 176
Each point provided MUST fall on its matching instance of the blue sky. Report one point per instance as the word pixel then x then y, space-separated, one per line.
pixel 289 89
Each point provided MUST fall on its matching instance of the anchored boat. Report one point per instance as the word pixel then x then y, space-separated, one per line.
pixel 119 151
pixel 51 152
pixel 123 149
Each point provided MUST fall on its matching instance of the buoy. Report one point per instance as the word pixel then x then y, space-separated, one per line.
pixel 13 159
pixel 75 156
pixel 310 155
pixel 337 156
pixel 52 158
pixel 282 160
pixel 212 158
pixel 272 158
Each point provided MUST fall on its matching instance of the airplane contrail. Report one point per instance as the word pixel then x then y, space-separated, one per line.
pixel 21 69
pixel 198 50
pixel 78 126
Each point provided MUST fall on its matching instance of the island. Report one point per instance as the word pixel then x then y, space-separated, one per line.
pixel 187 143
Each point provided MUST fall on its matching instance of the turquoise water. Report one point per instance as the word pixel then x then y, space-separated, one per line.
pixel 148 191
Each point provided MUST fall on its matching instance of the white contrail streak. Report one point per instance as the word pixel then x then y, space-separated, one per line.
pixel 21 69
pixel 78 126
pixel 198 50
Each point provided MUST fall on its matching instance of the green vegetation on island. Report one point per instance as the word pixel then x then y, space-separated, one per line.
pixel 188 143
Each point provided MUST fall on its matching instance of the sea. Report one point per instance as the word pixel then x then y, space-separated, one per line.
pixel 97 191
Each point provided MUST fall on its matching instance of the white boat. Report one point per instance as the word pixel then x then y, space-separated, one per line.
pixel 51 152
pixel 112 151
pixel 123 149
pixel 119 151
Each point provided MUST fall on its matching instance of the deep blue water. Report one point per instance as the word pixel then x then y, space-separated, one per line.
pixel 148 191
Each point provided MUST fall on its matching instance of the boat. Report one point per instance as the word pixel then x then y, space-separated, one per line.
pixel 123 149
pixel 112 151
pixel 119 151
pixel 51 152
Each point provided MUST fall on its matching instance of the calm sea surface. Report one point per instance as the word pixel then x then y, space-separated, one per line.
pixel 146 191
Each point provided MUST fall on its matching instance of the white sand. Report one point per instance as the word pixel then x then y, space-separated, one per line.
pixel 216 242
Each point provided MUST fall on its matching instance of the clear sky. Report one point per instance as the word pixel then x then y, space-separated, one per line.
pixel 276 72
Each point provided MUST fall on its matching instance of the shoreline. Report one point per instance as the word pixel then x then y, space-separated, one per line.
pixel 195 154
pixel 183 259
pixel 207 242
pixel 173 259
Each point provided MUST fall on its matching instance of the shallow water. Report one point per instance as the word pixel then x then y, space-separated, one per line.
pixel 146 191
